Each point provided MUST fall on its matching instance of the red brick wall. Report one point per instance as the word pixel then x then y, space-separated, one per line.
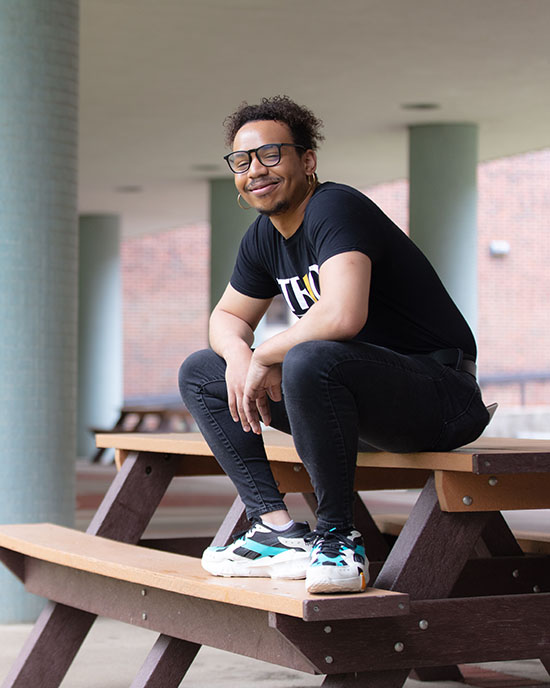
pixel 165 282
pixel 514 290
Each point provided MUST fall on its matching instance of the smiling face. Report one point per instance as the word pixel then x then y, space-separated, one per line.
pixel 274 191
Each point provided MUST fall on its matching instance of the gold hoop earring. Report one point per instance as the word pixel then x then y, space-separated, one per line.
pixel 312 180
pixel 244 207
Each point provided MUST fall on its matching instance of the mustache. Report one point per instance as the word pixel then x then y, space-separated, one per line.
pixel 258 183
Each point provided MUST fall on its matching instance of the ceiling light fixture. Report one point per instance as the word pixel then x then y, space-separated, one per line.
pixel 420 106
pixel 129 189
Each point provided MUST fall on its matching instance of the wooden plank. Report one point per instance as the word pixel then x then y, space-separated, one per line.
pixel 512 460
pixel 184 464
pixel 217 624
pixel 506 575
pixel 291 477
pixel 462 492
pixel 181 574
pixel 435 633
pixel 482 456
pixel 279 447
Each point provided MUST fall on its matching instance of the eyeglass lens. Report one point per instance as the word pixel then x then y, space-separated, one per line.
pixel 268 155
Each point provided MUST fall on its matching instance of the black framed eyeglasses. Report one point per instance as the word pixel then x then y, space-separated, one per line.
pixel 268 155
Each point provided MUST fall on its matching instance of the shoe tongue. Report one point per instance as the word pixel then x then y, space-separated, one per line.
pixel 333 540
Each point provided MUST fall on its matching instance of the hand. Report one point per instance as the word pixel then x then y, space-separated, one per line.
pixel 262 381
pixel 235 378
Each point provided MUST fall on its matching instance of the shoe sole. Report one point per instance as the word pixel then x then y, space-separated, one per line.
pixel 317 583
pixel 279 566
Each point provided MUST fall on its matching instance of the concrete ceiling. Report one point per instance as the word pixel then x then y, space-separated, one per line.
pixel 159 76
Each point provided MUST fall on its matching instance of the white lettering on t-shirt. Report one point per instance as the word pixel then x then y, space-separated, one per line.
pixel 301 292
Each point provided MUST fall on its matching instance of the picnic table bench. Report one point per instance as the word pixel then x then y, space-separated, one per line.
pixel 455 588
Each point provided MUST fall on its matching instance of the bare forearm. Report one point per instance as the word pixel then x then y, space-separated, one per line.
pixel 340 314
pixel 320 322
pixel 229 334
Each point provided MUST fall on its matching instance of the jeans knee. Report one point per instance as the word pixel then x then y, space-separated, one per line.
pixel 192 372
pixel 302 365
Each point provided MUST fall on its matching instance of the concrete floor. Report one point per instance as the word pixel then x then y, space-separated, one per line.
pixel 113 651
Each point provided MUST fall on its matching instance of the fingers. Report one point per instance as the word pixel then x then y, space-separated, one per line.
pixel 232 402
pixel 251 409
pixel 243 414
pixel 275 393
pixel 262 404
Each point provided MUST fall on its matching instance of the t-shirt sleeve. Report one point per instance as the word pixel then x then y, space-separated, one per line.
pixel 341 221
pixel 250 275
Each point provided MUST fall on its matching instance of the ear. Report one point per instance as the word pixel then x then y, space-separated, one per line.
pixel 309 161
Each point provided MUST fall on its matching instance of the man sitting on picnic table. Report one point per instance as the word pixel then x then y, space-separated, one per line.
pixel 380 356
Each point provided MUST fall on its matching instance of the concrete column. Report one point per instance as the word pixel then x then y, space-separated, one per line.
pixel 228 225
pixel 99 327
pixel 443 206
pixel 38 271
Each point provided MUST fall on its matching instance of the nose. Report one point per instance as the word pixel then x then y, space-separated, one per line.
pixel 256 169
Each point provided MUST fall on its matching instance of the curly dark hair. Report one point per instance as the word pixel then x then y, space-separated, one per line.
pixel 304 126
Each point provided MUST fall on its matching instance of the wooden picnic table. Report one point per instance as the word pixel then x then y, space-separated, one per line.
pixel 455 588
pixel 147 416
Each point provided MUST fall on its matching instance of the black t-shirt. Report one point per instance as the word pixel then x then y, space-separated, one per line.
pixel 410 310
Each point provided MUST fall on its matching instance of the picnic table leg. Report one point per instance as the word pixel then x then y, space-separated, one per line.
pixel 546 662
pixel 432 549
pixel 166 664
pixel 123 515
pixel 170 658
pixel 425 562
pixel 235 521
pixel 499 539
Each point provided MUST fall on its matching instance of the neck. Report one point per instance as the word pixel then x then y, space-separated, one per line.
pixel 289 222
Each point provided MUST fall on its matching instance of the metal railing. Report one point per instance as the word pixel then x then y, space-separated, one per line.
pixel 520 379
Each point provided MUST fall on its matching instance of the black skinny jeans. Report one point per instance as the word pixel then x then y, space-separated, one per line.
pixel 337 397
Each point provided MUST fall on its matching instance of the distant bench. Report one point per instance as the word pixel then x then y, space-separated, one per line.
pixel 455 588
pixel 530 541
pixel 147 417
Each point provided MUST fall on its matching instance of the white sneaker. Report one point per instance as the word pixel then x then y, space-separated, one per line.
pixel 338 562
pixel 262 552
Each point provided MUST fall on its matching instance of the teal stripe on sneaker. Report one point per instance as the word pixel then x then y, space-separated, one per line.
pixel 262 550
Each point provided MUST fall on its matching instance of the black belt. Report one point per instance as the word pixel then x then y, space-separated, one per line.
pixel 456 359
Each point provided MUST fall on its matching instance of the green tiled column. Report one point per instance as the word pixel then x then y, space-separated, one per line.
pixel 99 328
pixel 228 224
pixel 38 270
pixel 443 205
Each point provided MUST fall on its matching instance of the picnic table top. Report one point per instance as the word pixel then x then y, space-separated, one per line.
pixel 487 455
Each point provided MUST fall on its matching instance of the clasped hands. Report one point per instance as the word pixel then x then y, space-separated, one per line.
pixel 262 382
